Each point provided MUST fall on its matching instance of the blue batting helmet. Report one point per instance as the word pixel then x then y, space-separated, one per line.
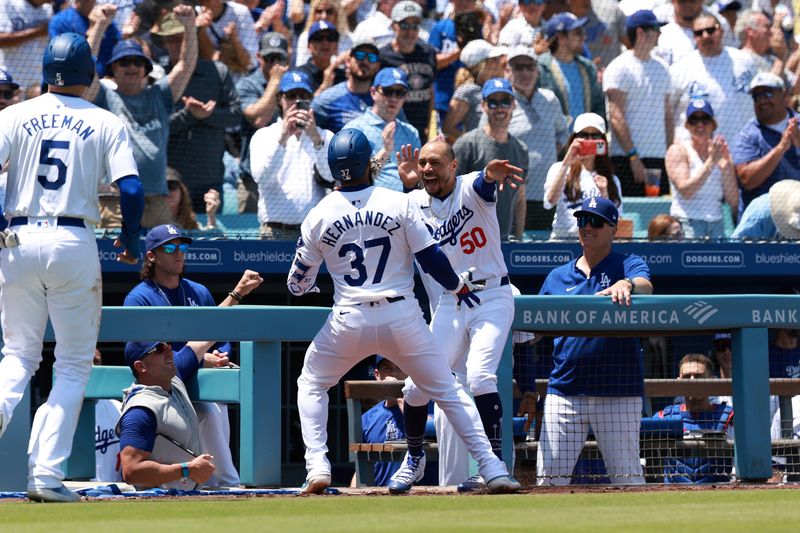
pixel 348 154
pixel 68 61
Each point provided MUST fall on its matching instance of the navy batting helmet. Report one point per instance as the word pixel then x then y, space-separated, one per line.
pixel 68 61
pixel 348 154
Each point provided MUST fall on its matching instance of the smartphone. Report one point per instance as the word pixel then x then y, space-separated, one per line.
pixel 305 105
pixel 592 147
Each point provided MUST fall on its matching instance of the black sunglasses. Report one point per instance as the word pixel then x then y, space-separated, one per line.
pixel 275 58
pixel 361 55
pixel 711 30
pixel 582 135
pixel 173 185
pixel 408 25
pixel 392 93
pixel 762 94
pixel 523 66
pixel 324 36
pixel 325 10
pixel 131 62
pixel 695 120
pixel 594 221
pixel 161 347
pixel 298 94
pixel 501 103
pixel 8 94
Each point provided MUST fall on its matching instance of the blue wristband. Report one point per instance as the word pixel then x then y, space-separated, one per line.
pixel 185 470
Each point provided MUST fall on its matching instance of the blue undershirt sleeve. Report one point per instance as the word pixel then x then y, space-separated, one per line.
pixel 434 262
pixel 131 201
pixel 138 429
pixel 485 189
pixel 186 363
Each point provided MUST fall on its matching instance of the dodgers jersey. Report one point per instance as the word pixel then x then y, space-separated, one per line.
pixel 60 148
pixel 465 226
pixel 366 236
pixel 596 366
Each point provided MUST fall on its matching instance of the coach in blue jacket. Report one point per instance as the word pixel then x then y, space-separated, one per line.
pixel 595 381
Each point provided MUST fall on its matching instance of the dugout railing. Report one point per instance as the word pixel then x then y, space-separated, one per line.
pixel 256 386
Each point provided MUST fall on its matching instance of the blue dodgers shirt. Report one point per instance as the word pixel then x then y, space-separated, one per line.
pixel 380 424
pixel 596 366
pixel 784 363
pixel 443 39
pixel 337 106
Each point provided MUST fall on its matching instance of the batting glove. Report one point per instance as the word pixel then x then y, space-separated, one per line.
pixel 466 289
pixel 8 239
pixel 130 240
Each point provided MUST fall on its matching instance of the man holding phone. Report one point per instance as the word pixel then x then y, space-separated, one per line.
pixel 289 161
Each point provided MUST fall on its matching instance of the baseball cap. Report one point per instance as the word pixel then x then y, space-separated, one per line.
pixel 406 9
pixel 602 207
pixel 378 359
pixel 479 50
pixel 496 85
pixel 644 18
pixel 766 79
pixel 521 51
pixel 563 22
pixel 6 79
pixel 295 79
pixel 273 43
pixel 362 41
pixel 722 337
pixel 129 48
pixel 167 26
pixel 386 77
pixel 784 206
pixel 589 120
pixel 701 105
pixel 163 233
pixel 320 26
pixel 136 351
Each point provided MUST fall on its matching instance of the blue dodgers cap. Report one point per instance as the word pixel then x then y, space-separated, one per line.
pixel 496 85
pixel 6 79
pixel 378 359
pixel 163 233
pixel 700 105
pixel 602 207
pixel 129 48
pixel 319 26
pixel 563 22
pixel 722 337
pixel 644 18
pixel 135 351
pixel 389 76
pixel 295 79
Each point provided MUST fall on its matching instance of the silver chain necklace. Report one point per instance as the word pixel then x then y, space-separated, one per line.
pixel 181 295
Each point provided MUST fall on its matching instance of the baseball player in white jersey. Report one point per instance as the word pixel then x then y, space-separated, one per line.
pixel 461 215
pixel 366 236
pixel 59 148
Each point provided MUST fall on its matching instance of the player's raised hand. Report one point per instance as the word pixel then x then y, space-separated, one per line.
pixel 408 166
pixel 503 172
pixel 185 15
pixel 201 468
pixel 130 241
pixel 249 282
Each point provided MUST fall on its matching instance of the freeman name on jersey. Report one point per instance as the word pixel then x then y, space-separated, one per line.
pixel 64 122
pixel 367 218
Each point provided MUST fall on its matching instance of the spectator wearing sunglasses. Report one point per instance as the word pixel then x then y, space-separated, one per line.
pixel 767 149
pixel 637 85
pixel 702 176
pixel 475 149
pixel 163 284
pixel 583 173
pixel 595 381
pixel 384 129
pixel 715 73
pixel 570 75
pixel 345 101
pixel 526 27
pixel 323 65
pixel 677 38
pixel 417 59
pixel 145 109
pixel 258 93
pixel 330 11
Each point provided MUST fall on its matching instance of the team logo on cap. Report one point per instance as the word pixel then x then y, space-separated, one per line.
pixel 296 77
pixel 498 83
pixel 397 74
pixel 699 102
pixel 593 203
pixel 172 230
pixel 274 41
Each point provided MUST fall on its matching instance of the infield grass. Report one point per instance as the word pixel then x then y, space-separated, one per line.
pixel 707 511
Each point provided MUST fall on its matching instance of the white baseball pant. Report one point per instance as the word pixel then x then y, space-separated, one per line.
pixel 398 332
pixel 54 271
pixel 215 430
pixel 615 421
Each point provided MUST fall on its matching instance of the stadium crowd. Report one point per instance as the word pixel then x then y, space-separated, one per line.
pixel 230 104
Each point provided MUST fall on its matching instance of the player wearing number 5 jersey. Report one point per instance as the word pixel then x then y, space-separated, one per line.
pixel 59 148
pixel 460 212
pixel 366 236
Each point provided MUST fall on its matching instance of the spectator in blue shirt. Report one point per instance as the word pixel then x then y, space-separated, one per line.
pixel 596 381
pixel 76 19
pixel 345 101
pixel 772 215
pixel 384 129
pixel 767 149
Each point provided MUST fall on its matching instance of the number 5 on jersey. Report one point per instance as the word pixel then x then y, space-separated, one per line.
pixel 45 160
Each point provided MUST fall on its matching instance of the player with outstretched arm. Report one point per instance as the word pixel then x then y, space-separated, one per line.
pixel 59 148
pixel 366 236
